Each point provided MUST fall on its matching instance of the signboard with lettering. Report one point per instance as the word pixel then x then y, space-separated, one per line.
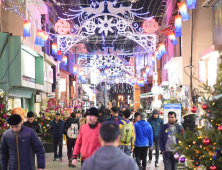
pixel 172 107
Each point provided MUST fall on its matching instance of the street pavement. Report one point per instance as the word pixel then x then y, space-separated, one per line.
pixel 63 165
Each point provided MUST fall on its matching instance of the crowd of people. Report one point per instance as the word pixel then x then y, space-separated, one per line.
pixel 99 139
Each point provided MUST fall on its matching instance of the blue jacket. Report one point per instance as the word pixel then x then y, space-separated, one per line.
pixel 56 130
pixel 28 144
pixel 163 135
pixel 156 123
pixel 144 134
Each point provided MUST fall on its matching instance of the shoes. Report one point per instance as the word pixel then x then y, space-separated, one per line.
pixel 140 167
pixel 157 165
pixel 54 159
pixel 70 163
pixel 60 158
pixel 79 160
pixel 149 162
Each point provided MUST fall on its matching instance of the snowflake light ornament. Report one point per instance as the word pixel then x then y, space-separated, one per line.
pixel 106 25
pixel 108 61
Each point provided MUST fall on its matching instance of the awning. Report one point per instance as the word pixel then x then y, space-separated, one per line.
pixel 145 95
pixel 20 92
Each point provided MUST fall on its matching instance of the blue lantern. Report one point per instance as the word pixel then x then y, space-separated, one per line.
pixel 183 11
pixel 178 26
pixel 59 55
pixel 191 4
pixel 173 38
pixel 26 29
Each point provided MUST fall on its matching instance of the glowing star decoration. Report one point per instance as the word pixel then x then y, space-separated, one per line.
pixel 150 26
pixel 183 11
pixel 59 55
pixel 191 4
pixel 75 70
pixel 147 70
pixel 178 26
pixel 106 25
pixel 54 48
pixel 64 59
pixel 26 29
pixel 62 27
pixel 173 38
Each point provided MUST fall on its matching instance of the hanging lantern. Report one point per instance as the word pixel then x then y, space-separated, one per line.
pixel 75 69
pixel 157 55
pixel 191 4
pixel 144 76
pixel 83 79
pixel 59 55
pixel 147 70
pixel 38 38
pixel 146 81
pixel 64 59
pixel 106 71
pixel 162 49
pixel 173 38
pixel 80 73
pixel 27 28
pixel 54 48
pixel 42 38
pixel 183 11
pixel 140 83
pixel 153 59
pixel 178 26
pixel 134 81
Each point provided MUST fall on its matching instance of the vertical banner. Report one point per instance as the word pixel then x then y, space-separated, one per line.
pixel 172 107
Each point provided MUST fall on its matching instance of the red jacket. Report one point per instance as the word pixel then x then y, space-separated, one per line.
pixel 87 142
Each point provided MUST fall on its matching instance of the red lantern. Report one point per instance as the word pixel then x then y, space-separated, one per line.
pixel 213 167
pixel 204 107
pixel 150 26
pixel 206 141
pixel 220 128
pixel 194 109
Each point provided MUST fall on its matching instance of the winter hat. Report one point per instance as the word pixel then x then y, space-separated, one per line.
pixel 30 114
pixel 57 114
pixel 155 112
pixel 143 116
pixel 114 109
pixel 14 119
pixel 93 111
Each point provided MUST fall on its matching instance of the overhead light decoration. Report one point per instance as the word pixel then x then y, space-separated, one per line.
pixel 83 78
pixel 162 49
pixel 38 38
pixel 62 27
pixel 140 83
pixel 134 81
pixel 183 11
pixel 150 26
pixel 64 59
pixel 157 55
pixel 153 59
pixel 75 69
pixel 54 48
pixel 59 55
pixel 106 71
pixel 27 28
pixel 191 4
pixel 144 76
pixel 80 73
pixel 178 26
pixel 147 70
pixel 173 38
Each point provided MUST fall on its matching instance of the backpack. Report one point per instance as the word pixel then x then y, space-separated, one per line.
pixel 73 131
pixel 126 132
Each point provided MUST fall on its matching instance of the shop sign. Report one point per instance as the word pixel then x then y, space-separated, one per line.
pixel 51 95
pixel 155 90
pixel 172 107
pixel 94 91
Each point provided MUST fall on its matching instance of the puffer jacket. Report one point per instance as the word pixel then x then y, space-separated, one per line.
pixel 56 130
pixel 87 142
pixel 28 144
pixel 35 126
pixel 103 118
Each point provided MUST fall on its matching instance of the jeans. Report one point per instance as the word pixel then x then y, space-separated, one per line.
pixel 70 147
pixel 157 148
pixel 169 161
pixel 141 153
pixel 58 142
pixel 126 149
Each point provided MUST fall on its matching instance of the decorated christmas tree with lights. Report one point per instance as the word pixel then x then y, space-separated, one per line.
pixel 203 149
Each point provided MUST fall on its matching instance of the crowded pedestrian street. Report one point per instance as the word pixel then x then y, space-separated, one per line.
pixel 110 84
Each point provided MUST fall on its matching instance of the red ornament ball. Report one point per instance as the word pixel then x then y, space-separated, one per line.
pixel 213 167
pixel 204 107
pixel 220 128
pixel 206 141
pixel 194 109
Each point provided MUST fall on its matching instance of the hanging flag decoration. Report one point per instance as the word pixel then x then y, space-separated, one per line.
pixel 173 38
pixel 150 26
pixel 162 49
pixel 144 76
pixel 38 38
pixel 178 26
pixel 59 55
pixel 54 48
pixel 75 69
pixel 183 11
pixel 147 70
pixel 157 55
pixel 27 28
pixel 191 4
pixel 83 78
pixel 42 38
pixel 64 59
pixel 153 59
pixel 140 83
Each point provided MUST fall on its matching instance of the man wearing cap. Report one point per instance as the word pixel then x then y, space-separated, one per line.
pixel 87 140
pixel 33 124
pixel 19 144
pixel 144 139
pixel 156 123
pixel 115 116
pixel 56 130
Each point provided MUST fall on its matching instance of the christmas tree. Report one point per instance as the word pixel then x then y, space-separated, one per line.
pixel 203 149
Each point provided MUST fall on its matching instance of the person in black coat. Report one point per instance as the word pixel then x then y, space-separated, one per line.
pixel 70 141
pixel 56 130
pixel 102 116
pixel 18 146
pixel 189 122
pixel 33 124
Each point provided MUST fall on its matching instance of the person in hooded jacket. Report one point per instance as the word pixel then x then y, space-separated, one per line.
pixel 109 156
pixel 156 123
pixel 70 142
pixel 102 116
